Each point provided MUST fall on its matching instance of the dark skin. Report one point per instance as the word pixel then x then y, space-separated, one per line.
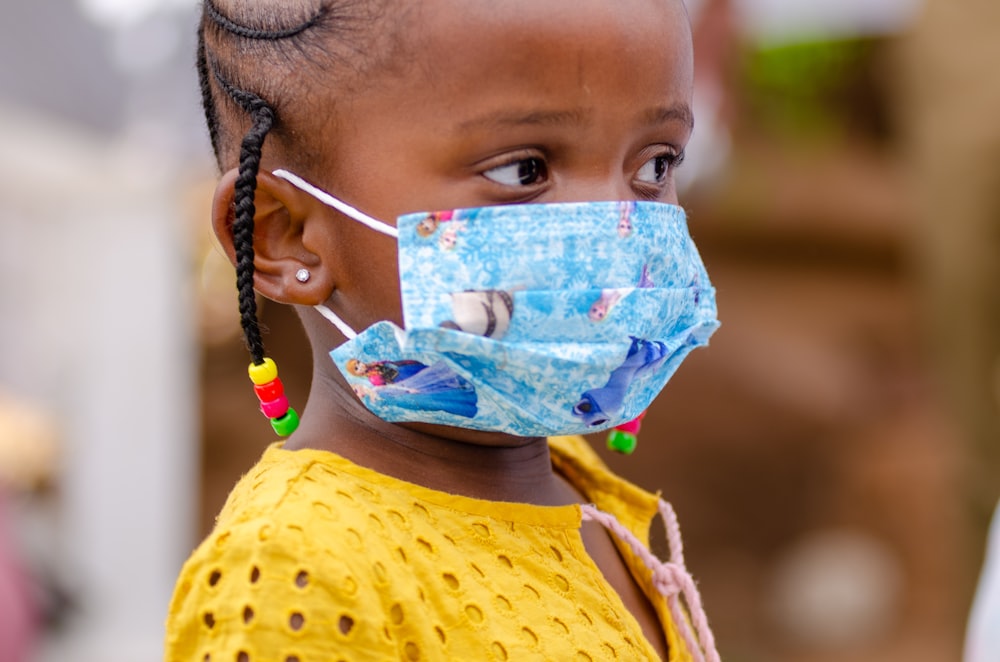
pixel 499 103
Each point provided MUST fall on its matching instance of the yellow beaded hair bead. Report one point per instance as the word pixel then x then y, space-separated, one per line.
pixel 264 373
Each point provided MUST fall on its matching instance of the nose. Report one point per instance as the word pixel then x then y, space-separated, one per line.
pixel 593 188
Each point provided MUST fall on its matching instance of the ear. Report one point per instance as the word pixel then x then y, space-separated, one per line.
pixel 279 240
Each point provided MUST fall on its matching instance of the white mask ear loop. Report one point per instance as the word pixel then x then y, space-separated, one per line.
pixel 341 325
pixel 349 211
pixel 339 205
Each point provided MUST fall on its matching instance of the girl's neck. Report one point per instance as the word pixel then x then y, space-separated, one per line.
pixel 478 465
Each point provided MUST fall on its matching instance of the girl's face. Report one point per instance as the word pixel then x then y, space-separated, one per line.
pixel 499 103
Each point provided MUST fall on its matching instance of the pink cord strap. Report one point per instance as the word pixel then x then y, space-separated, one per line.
pixel 671 579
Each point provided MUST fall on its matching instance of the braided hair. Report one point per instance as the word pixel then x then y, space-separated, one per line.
pixel 250 58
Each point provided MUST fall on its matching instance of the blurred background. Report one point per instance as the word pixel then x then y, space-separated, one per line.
pixel 833 455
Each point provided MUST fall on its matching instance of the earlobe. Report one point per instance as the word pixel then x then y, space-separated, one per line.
pixel 281 256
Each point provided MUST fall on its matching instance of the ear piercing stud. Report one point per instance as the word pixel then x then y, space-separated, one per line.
pixel 303 275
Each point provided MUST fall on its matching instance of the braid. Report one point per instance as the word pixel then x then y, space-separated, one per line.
pixel 246 186
pixel 246 32
pixel 262 118
pixel 207 102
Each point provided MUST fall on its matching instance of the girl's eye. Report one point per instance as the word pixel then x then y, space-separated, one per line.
pixel 523 172
pixel 655 170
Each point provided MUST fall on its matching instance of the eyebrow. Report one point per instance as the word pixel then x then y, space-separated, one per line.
pixel 678 113
pixel 525 118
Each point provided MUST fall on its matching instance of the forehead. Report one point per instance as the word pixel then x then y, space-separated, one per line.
pixel 463 34
pixel 489 49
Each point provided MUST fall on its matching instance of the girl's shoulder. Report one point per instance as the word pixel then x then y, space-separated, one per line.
pixel 284 480
pixel 287 568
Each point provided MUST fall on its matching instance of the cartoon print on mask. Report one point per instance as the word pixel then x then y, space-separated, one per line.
pixel 415 386
pixel 609 298
pixel 449 234
pixel 380 373
pixel 429 224
pixel 625 219
pixel 645 280
pixel 605 303
pixel 599 405
pixel 481 312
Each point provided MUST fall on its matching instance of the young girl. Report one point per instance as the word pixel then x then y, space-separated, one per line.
pixel 426 507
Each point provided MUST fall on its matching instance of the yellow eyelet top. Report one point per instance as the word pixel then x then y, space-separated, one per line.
pixel 316 559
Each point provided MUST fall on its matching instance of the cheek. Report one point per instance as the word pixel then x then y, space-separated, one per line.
pixel 383 286
pixel 369 286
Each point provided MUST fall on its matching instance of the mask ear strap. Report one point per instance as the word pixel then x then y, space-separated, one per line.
pixel 339 205
pixel 341 325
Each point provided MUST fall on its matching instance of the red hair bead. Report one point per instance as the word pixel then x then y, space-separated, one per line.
pixel 269 391
pixel 633 426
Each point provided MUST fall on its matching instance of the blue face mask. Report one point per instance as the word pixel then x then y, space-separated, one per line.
pixel 533 320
